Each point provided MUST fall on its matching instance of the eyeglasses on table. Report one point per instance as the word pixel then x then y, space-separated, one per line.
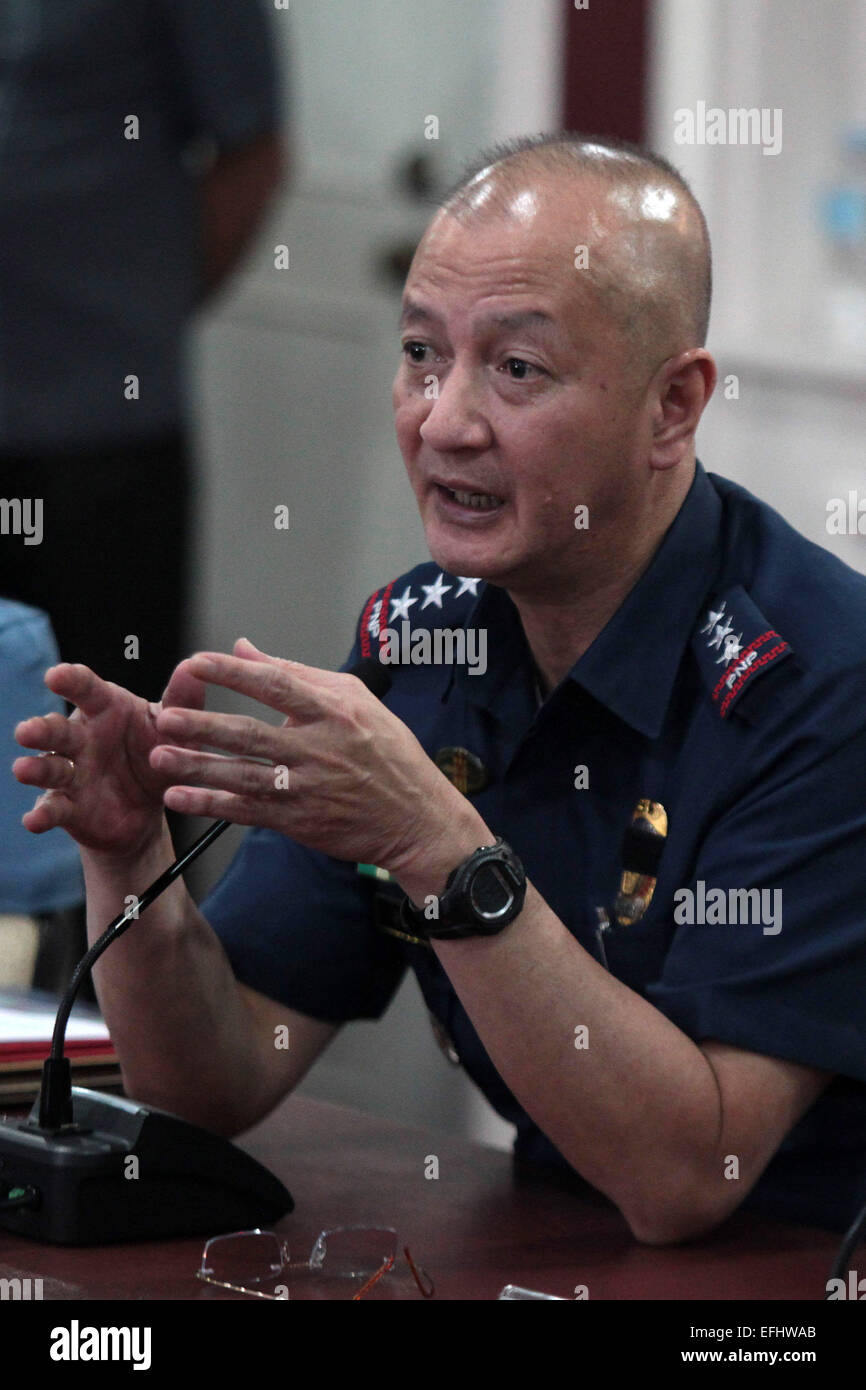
pixel 347 1262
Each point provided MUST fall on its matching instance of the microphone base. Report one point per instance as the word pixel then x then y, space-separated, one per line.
pixel 121 1172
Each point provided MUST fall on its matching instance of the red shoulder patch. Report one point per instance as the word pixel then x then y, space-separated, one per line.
pixel 735 644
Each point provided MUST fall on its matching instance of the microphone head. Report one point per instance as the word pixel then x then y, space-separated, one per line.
pixel 373 674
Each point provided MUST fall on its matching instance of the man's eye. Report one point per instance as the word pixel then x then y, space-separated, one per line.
pixel 414 352
pixel 519 370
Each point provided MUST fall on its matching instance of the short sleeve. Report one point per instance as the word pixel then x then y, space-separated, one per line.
pixel 298 926
pixel 38 873
pixel 224 69
pixel 782 974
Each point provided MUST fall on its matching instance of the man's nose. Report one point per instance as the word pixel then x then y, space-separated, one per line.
pixel 456 418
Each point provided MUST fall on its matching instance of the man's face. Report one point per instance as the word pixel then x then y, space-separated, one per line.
pixel 537 411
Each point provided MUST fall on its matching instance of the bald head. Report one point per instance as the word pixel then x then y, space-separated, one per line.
pixel 648 246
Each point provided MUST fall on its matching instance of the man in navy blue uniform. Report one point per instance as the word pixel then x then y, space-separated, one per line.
pixel 634 900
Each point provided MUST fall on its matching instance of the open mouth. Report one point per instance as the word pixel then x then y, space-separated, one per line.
pixel 478 501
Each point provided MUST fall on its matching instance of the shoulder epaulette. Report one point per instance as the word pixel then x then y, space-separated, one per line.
pixel 424 597
pixel 735 646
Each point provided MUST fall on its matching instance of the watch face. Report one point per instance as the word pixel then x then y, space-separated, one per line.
pixel 491 892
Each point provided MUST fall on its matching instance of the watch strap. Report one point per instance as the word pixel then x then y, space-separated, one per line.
pixel 459 914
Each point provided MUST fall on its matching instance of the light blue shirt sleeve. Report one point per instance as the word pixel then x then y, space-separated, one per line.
pixel 38 873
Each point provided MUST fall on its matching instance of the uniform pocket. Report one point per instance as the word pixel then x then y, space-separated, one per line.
pixel 636 953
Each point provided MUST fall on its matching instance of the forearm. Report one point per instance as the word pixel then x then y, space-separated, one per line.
pixel 631 1102
pixel 183 1032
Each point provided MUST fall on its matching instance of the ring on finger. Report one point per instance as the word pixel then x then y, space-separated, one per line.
pixel 52 753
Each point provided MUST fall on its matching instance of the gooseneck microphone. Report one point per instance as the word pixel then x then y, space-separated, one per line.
pixel 87 1168
pixel 55 1100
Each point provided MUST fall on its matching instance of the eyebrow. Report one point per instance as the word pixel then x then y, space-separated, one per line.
pixel 412 312
pixel 521 318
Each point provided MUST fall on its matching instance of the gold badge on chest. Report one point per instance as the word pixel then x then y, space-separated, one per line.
pixel 463 769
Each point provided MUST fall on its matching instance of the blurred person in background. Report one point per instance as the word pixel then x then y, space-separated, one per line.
pixel 40 881
pixel 139 151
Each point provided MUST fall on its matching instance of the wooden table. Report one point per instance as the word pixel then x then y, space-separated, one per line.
pixel 477 1226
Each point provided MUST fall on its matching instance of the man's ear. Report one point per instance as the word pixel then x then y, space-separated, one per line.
pixel 682 387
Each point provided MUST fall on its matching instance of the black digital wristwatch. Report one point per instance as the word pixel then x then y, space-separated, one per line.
pixel 482 896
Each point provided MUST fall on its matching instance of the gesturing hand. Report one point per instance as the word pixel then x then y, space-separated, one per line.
pixel 96 779
pixel 341 774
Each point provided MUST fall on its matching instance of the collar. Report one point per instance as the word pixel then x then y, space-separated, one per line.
pixel 633 662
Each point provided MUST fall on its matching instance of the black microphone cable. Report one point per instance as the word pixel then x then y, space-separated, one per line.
pixel 846 1249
